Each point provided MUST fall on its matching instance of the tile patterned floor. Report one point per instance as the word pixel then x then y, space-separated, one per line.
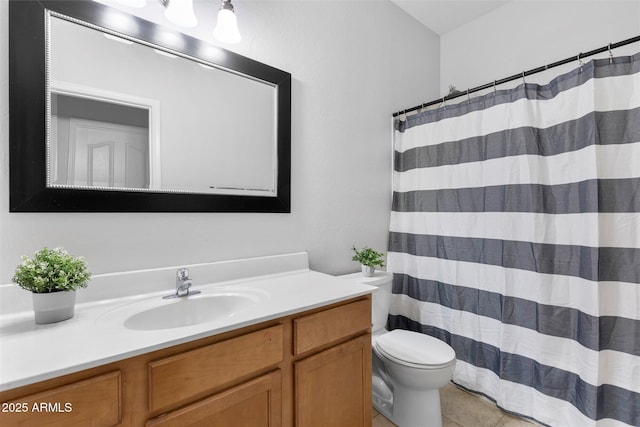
pixel 463 409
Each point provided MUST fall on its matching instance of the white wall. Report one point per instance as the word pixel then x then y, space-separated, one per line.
pixel 526 34
pixel 353 63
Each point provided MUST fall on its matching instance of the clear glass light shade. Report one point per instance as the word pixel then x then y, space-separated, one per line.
pixel 180 12
pixel 227 27
pixel 133 3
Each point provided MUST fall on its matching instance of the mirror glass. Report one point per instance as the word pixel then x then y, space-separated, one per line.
pixel 127 116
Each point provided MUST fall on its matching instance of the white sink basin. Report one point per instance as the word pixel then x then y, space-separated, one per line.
pixel 157 313
pixel 187 311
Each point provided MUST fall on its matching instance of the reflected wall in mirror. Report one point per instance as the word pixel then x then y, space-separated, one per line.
pixel 132 125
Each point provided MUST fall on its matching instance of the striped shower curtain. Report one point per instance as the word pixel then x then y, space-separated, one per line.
pixel 515 238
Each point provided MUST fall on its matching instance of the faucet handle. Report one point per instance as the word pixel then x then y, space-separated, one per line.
pixel 182 274
pixel 183 283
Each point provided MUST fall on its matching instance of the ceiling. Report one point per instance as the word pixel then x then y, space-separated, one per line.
pixel 442 16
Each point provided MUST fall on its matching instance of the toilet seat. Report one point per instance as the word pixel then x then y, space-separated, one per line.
pixel 414 349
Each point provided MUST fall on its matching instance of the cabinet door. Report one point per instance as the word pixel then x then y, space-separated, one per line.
pixel 333 388
pixel 256 403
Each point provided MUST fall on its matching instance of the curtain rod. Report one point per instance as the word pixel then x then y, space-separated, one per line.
pixel 519 76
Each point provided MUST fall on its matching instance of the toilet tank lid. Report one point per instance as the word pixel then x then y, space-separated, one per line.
pixel 415 348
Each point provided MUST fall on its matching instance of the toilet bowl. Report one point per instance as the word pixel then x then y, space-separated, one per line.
pixel 409 368
pixel 418 366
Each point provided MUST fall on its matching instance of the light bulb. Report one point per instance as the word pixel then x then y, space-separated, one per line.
pixel 180 12
pixel 227 27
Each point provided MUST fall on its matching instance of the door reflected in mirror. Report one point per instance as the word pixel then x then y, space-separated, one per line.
pixel 95 143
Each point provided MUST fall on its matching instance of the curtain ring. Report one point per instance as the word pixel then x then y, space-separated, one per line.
pixel 580 61
pixel 523 80
pixel 468 97
pixel 610 54
pixel 494 87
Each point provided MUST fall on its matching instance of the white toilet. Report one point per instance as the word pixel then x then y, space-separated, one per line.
pixel 409 368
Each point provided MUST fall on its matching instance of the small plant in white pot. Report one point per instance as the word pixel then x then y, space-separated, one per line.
pixel 369 259
pixel 52 276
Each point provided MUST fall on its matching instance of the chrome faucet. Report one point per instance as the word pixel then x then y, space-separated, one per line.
pixel 183 283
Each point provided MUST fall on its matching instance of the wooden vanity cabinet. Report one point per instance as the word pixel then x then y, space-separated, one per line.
pixel 308 369
pixel 333 386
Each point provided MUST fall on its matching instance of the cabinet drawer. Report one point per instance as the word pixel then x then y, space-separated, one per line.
pixel 179 379
pixel 256 403
pixel 92 402
pixel 318 329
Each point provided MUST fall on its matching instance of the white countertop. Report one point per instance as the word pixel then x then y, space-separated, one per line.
pixel 30 353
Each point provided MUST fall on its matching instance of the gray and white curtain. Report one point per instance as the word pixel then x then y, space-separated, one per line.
pixel 515 238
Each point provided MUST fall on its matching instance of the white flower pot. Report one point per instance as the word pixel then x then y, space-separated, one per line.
pixel 368 271
pixel 53 306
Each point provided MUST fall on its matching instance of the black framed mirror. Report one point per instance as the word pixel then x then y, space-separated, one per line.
pixel 222 144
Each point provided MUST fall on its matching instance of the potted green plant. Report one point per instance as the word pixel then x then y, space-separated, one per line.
pixel 52 276
pixel 369 259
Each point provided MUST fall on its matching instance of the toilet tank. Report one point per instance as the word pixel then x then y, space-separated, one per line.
pixel 380 299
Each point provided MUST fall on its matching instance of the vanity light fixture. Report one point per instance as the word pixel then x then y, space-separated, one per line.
pixel 180 12
pixel 227 27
